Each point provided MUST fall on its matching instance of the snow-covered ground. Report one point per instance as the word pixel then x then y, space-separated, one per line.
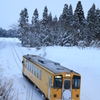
pixel 84 61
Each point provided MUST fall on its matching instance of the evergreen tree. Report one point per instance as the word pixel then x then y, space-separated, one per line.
pixel 64 23
pixel 97 25
pixel 50 19
pixel 50 33
pixel 35 29
pixel 23 26
pixel 44 28
pixel 79 23
pixel 70 29
pixel 91 19
pixel 45 16
pixel 55 32
pixel 79 12
pixel 66 20
pixel 71 15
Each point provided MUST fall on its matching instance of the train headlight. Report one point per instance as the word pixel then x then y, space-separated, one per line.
pixel 67 75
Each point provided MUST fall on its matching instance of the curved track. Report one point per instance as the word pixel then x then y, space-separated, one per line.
pixel 15 53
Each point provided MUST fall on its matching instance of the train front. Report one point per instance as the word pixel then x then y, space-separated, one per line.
pixel 66 87
pixel 71 87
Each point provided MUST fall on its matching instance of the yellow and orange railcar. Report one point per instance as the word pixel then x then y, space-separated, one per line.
pixel 55 81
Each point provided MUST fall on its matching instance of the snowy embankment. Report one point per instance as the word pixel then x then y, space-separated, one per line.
pixel 84 61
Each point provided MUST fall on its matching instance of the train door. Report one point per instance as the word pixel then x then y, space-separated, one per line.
pixel 66 92
pixel 49 87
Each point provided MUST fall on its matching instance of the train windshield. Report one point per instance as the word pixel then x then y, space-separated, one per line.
pixel 67 84
pixel 76 82
pixel 58 82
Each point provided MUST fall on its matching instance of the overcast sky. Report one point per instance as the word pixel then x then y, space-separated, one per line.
pixel 10 9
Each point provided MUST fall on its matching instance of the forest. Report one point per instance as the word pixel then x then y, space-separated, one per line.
pixel 72 28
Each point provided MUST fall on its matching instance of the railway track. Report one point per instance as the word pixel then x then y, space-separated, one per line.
pixel 15 54
pixel 29 87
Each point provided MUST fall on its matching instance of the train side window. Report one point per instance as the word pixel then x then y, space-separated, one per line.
pixel 33 69
pixel 36 71
pixel 40 74
pixel 26 63
pixel 28 66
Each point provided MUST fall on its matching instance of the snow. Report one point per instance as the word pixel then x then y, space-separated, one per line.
pixel 84 61
pixel 52 66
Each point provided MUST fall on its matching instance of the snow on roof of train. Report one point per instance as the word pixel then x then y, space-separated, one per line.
pixel 48 64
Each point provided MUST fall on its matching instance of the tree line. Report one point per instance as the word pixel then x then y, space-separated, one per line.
pixel 71 29
pixel 8 33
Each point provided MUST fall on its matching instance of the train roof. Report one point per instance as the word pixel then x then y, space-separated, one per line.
pixel 48 64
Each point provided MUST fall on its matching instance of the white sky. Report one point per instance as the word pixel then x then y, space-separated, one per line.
pixel 10 9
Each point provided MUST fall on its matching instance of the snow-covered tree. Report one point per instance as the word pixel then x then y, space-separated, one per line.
pixel 44 28
pixel 66 22
pixel 23 27
pixel 79 12
pixel 35 29
pixel 91 19
pixel 3 33
pixel 79 23
pixel 55 32
pixel 97 24
pixel 70 15
pixel 50 19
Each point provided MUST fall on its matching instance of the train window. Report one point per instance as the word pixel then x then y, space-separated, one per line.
pixel 35 71
pixel 26 63
pixel 67 84
pixel 58 82
pixel 31 67
pixel 76 82
pixel 38 73
pixel 28 66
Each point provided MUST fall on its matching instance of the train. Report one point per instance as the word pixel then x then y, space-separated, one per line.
pixel 54 80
